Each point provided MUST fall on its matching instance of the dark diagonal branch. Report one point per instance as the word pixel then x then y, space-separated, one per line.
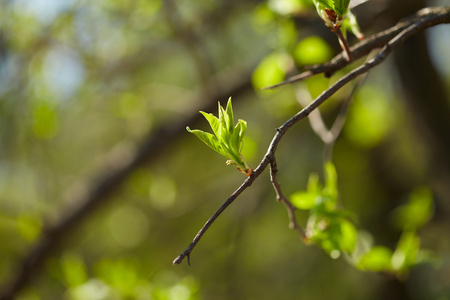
pixel 412 29
pixel 427 17
pixel 102 191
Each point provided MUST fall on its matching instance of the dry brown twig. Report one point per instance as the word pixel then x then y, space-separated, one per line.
pixel 387 40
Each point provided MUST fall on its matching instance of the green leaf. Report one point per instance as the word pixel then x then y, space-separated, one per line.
pixel 236 140
pixel 304 200
pixel 324 3
pixel 351 23
pixel 349 235
pixel 271 70
pixel 312 50
pixel 242 129
pixel 227 139
pixel 377 259
pixel 417 212
pixel 372 111
pixel 341 7
pixel 331 180
pixel 223 125
pixel 213 122
pixel 209 139
pixel 230 117
pixel 406 252
pixel 313 183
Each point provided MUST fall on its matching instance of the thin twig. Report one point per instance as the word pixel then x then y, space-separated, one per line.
pixel 344 45
pixel 328 136
pixel 268 158
pixel 427 17
pixel 211 220
pixel 293 224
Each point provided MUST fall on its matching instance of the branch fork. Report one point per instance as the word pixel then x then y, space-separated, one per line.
pixel 388 40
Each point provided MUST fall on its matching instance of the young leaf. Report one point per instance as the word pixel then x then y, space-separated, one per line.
pixel 207 138
pixel 230 117
pixel 227 139
pixel 213 122
pixel 341 7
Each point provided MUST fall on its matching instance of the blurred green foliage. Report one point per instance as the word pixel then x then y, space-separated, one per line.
pixel 83 83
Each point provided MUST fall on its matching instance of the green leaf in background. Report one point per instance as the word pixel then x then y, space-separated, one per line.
pixel 417 212
pixel 349 234
pixel 405 254
pixel 304 200
pixel 74 269
pixel 312 50
pixel 370 118
pixel 271 70
pixel 228 139
pixel 308 199
pixel 377 259
pixel 331 188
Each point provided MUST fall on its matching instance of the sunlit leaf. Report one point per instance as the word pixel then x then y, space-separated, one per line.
pixel 213 122
pixel 325 3
pixel 349 236
pixel 227 139
pixel 331 180
pixel 271 70
pixel 304 200
pixel 406 252
pixel 209 139
pixel 341 7
pixel 377 259
pixel 312 50
pixel 313 183
pixel 230 117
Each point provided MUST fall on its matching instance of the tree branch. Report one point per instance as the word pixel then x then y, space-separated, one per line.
pixel 100 193
pixel 427 17
pixel 440 15
pixel 328 136
pixel 293 224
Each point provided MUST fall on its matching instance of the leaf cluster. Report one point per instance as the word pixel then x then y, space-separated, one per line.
pixel 334 229
pixel 328 226
pixel 227 139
